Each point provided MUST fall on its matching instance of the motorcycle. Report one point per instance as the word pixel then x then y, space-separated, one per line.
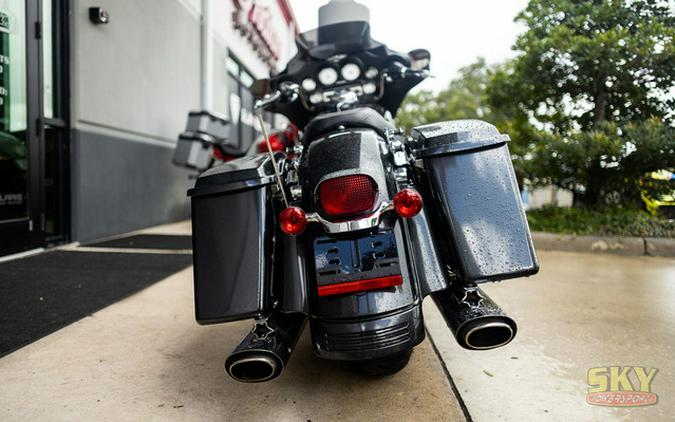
pixel 352 227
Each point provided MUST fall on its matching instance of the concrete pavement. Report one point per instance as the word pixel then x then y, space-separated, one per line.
pixel 145 358
pixel 580 311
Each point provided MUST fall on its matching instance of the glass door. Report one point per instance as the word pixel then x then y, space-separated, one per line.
pixel 20 163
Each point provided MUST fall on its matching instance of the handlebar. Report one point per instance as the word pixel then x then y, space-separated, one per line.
pixel 397 70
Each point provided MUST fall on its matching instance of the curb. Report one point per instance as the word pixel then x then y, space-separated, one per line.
pixel 629 246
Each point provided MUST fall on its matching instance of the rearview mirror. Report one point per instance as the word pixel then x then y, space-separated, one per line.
pixel 260 88
pixel 419 59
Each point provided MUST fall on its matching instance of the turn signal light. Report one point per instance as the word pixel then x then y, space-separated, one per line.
pixel 408 203
pixel 293 220
pixel 347 195
pixel 276 142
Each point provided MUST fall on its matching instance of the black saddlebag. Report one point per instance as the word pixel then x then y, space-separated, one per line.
pixel 231 220
pixel 471 179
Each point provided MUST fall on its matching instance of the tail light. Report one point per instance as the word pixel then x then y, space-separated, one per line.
pixel 293 220
pixel 408 203
pixel 347 195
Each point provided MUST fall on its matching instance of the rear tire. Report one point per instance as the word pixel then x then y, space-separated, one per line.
pixel 384 366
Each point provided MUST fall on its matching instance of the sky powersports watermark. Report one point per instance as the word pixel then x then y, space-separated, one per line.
pixel 621 386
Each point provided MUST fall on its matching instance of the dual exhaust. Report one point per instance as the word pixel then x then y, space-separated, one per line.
pixel 475 320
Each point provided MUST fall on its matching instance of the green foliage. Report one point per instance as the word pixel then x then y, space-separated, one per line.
pixel 585 62
pixel 463 99
pixel 596 77
pixel 588 102
pixel 467 97
pixel 606 222
pixel 605 159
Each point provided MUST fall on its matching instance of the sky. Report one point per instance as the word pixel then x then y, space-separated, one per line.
pixel 456 32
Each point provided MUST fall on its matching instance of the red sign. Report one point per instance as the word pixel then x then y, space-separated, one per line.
pixel 255 22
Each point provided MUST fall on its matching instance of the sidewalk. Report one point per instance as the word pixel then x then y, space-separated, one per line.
pixel 581 311
pixel 145 358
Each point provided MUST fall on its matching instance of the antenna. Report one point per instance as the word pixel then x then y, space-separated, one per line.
pixel 280 183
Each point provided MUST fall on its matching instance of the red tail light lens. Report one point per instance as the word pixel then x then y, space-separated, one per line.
pixel 293 220
pixel 408 203
pixel 347 195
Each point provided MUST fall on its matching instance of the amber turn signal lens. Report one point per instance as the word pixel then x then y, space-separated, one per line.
pixel 408 203
pixel 293 220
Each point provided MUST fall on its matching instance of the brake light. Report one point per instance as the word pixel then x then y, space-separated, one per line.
pixel 360 285
pixel 408 203
pixel 293 220
pixel 347 195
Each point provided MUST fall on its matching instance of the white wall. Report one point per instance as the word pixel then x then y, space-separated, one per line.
pixel 139 73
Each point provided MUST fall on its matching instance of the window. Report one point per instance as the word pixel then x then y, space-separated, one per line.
pixel 244 129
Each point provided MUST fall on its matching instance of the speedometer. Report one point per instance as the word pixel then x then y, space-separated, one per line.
pixel 328 76
pixel 350 71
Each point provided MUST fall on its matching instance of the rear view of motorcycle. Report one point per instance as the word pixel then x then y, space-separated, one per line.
pixel 354 226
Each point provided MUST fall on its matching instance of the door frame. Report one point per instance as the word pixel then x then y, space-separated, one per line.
pixel 61 121
pixel 28 233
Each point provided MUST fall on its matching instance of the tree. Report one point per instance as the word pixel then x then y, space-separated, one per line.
pixel 466 97
pixel 590 75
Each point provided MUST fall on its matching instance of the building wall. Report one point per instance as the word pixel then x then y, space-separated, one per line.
pixel 133 82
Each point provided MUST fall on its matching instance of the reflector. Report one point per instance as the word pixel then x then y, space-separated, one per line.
pixel 347 195
pixel 360 285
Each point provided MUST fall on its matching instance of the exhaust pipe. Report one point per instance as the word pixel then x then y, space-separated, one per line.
pixel 264 352
pixel 475 320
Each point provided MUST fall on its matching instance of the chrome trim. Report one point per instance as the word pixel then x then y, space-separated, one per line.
pixel 487 326
pixel 373 220
pixel 273 366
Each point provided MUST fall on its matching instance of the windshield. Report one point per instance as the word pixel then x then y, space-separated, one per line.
pixel 339 38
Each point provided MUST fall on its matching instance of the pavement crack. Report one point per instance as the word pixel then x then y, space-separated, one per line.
pixel 455 390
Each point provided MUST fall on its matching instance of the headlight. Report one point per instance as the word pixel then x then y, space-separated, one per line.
pixel 350 71
pixel 371 73
pixel 309 84
pixel 328 76
pixel 369 88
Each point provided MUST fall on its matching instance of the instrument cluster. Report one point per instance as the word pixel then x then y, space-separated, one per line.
pixel 335 76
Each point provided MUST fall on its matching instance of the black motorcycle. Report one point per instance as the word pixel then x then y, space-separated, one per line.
pixel 355 225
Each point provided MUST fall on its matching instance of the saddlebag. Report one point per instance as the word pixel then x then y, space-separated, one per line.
pixel 231 221
pixel 195 145
pixel 478 207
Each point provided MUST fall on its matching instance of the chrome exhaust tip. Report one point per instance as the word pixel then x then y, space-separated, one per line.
pixel 253 367
pixel 263 353
pixel 484 335
pixel 475 320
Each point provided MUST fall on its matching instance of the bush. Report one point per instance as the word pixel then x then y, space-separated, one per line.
pixel 604 222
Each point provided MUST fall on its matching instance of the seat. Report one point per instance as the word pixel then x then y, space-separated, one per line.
pixel 358 117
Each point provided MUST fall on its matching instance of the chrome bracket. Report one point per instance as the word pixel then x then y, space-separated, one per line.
pixel 373 220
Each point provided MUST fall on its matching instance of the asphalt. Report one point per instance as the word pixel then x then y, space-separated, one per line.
pixel 144 358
